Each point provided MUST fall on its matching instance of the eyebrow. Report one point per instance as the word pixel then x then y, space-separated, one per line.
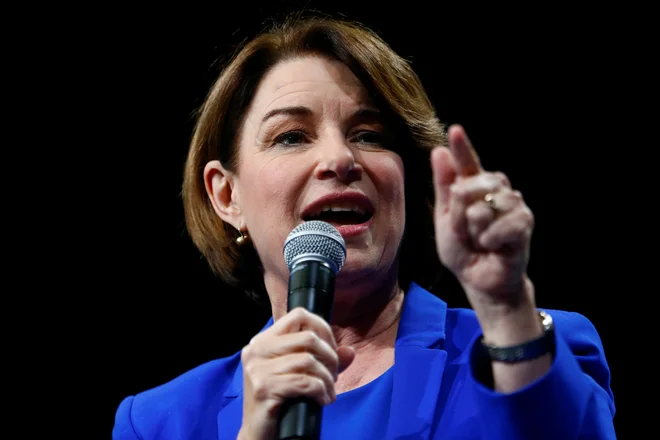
pixel 367 115
pixel 370 114
pixel 287 111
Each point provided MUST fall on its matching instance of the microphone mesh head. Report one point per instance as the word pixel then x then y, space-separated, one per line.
pixel 315 238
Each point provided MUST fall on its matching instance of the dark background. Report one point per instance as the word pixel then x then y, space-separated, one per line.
pixel 537 90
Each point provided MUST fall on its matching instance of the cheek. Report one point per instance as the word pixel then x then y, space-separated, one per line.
pixel 389 178
pixel 269 193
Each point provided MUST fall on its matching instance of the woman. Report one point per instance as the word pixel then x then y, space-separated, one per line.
pixel 320 119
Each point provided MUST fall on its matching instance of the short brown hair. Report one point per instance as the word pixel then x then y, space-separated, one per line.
pixel 393 87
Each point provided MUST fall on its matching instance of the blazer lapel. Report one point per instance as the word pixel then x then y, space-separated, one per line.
pixel 415 390
pixel 230 418
pixel 230 415
pixel 419 363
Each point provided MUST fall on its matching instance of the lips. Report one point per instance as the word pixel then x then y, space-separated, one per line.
pixel 350 212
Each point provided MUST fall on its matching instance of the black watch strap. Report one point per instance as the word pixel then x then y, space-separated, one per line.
pixel 527 350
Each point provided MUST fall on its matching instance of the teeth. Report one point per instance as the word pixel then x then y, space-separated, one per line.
pixel 341 207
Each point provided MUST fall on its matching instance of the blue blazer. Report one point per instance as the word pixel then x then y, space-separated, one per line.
pixel 435 392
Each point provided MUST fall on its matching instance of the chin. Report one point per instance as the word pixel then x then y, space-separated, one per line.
pixel 362 268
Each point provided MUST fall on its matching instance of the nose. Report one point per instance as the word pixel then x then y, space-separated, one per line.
pixel 336 159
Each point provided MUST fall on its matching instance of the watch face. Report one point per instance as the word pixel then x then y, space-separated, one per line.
pixel 546 320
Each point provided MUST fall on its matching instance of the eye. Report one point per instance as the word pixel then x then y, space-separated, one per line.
pixel 294 137
pixel 369 137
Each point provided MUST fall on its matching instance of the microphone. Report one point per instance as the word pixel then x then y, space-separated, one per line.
pixel 314 251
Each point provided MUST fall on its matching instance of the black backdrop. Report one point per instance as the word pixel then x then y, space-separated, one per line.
pixel 528 85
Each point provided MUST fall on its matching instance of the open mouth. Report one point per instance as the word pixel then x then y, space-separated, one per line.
pixel 341 215
pixel 350 213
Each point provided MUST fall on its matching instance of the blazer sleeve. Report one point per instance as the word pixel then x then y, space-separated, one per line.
pixel 123 428
pixel 573 400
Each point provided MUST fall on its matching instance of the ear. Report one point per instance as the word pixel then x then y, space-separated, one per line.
pixel 220 187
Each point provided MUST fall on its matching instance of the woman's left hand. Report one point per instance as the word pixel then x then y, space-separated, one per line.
pixel 483 227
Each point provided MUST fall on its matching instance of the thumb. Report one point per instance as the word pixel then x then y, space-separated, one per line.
pixel 444 174
pixel 346 356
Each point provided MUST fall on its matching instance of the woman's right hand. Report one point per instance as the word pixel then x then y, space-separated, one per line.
pixel 297 356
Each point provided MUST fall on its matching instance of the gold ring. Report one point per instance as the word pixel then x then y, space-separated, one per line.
pixel 490 201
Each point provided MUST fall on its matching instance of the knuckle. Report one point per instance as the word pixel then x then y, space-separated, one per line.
pixel 502 178
pixel 246 353
pixel 308 339
pixel 330 367
pixel 308 361
pixel 525 221
pixel 458 191
pixel 304 383
pixel 312 385
pixel 251 370
pixel 316 385
pixel 525 213
pixel 517 195
pixel 474 212
pixel 334 360
pixel 260 389
pixel 256 340
pixel 298 313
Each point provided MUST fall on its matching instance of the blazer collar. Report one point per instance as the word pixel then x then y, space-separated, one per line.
pixel 415 390
pixel 422 319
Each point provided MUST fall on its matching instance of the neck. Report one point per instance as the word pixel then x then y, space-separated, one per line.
pixel 361 315
pixel 372 320
pixel 360 312
pixel 371 332
pixel 365 318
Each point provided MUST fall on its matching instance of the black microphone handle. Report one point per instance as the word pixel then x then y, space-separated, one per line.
pixel 312 286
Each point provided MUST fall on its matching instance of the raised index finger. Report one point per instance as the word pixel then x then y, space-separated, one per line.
pixel 466 158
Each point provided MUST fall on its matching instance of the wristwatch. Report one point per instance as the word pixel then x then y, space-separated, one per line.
pixel 527 350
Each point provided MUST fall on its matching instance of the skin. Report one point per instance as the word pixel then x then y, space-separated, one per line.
pixel 292 159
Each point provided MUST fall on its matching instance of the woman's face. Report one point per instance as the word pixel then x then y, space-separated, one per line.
pixel 313 147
